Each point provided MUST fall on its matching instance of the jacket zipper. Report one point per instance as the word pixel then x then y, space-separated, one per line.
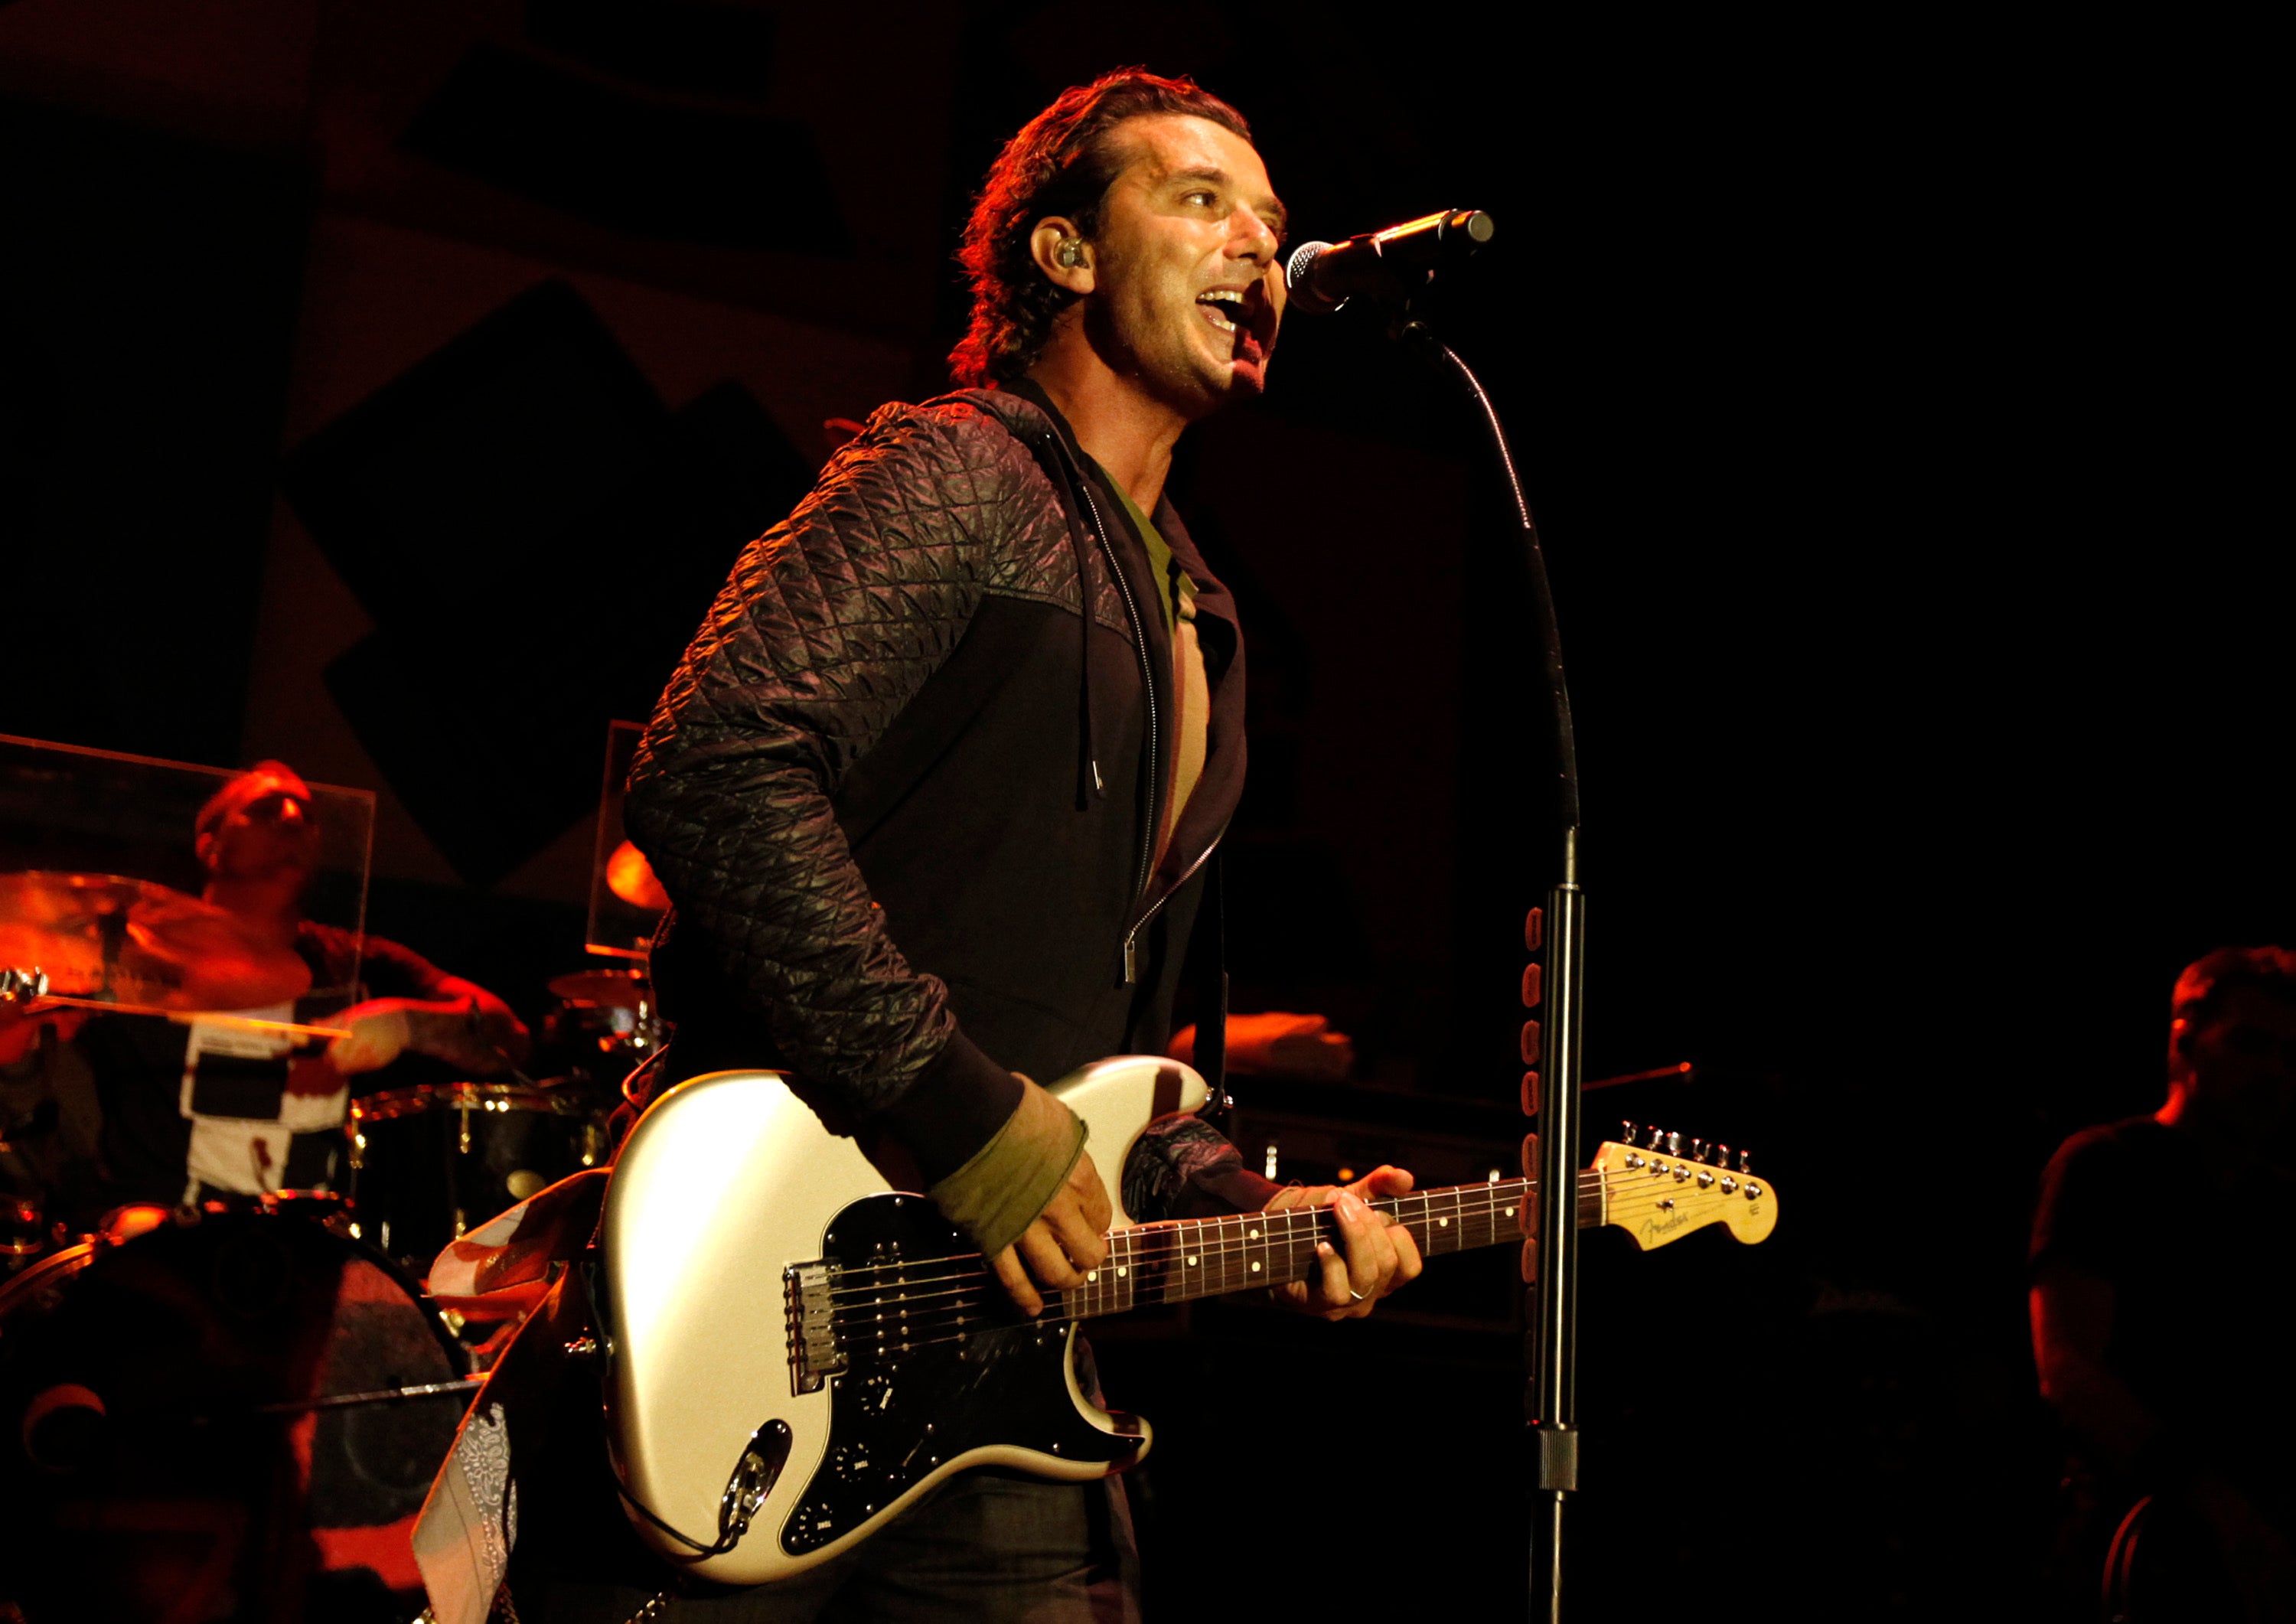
pixel 1131 936
pixel 1155 730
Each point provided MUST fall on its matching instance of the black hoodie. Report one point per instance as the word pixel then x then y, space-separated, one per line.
pixel 905 820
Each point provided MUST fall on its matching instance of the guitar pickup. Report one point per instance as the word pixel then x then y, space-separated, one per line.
pixel 814 1354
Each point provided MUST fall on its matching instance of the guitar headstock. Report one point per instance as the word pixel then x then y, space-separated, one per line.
pixel 1659 1187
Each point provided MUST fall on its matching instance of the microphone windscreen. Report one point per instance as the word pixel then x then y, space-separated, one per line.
pixel 1298 280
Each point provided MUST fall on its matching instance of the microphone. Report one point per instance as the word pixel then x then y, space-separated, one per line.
pixel 1390 264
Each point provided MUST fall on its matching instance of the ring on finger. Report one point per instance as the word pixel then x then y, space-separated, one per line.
pixel 1356 1296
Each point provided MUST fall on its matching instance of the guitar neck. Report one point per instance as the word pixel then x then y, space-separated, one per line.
pixel 1190 1258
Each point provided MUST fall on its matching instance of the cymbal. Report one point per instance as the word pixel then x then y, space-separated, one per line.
pixel 123 941
pixel 626 988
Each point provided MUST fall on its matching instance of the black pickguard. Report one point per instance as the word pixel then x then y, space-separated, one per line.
pixel 896 1416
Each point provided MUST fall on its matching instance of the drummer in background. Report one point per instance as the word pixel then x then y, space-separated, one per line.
pixel 198 1112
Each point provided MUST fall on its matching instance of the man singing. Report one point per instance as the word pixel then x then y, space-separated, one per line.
pixel 933 791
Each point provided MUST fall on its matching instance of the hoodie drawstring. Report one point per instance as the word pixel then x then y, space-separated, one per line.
pixel 1089 785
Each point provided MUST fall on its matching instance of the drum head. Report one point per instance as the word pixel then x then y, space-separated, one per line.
pixel 155 1462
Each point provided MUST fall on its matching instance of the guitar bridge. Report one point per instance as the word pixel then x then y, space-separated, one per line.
pixel 814 1354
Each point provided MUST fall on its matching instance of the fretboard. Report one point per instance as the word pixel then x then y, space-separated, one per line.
pixel 1189 1258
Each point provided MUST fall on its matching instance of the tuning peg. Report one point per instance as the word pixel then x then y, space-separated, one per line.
pixel 1654 1138
pixel 1674 1145
pixel 1745 1161
pixel 1627 1134
pixel 1722 1157
pixel 1698 1150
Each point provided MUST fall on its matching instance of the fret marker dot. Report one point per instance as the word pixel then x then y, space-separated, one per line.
pixel 1510 1211
pixel 1442 1223
pixel 1255 1267
pixel 1255 1234
pixel 1192 1259
pixel 1120 1274
pixel 1092 1274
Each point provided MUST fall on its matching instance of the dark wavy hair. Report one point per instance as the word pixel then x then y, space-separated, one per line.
pixel 1060 163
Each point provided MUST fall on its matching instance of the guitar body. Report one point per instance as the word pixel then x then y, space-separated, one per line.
pixel 735 1227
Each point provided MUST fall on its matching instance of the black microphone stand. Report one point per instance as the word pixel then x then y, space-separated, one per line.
pixel 1551 1399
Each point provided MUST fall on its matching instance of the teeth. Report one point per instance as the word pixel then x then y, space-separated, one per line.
pixel 1230 297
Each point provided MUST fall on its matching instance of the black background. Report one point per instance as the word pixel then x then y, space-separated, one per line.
pixel 1895 399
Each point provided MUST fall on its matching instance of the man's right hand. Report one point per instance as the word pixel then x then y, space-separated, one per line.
pixel 1068 1238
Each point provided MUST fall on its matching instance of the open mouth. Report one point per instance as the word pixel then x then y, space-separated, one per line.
pixel 1243 312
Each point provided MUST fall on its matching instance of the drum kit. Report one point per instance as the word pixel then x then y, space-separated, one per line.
pixel 235 1411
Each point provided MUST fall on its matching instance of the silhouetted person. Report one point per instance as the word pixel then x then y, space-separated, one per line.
pixel 2161 1262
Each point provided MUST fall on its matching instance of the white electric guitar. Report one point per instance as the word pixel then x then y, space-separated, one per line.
pixel 795 1351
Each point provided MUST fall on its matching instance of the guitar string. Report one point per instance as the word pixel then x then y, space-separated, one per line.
pixel 1490 1196
pixel 1060 1312
pixel 1091 1299
pixel 1138 1248
pixel 1128 1253
pixel 1591 1181
pixel 1148 1244
pixel 1214 1261
pixel 954 1322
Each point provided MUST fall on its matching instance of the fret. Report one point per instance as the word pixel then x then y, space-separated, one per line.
pixel 1180 1261
pixel 1416 1222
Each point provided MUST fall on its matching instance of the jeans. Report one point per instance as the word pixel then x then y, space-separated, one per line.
pixel 987 1546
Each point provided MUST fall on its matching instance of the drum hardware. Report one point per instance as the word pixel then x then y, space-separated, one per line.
pixel 625 987
pixel 387 1395
pixel 70 1395
pixel 428 1162
pixel 614 1006
pixel 605 1026
pixel 23 1233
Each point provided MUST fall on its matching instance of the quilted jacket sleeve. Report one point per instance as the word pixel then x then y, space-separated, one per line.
pixel 829 626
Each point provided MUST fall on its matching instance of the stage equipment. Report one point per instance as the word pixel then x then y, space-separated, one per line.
pixel 1390 264
pixel 627 902
pixel 98 859
pixel 185 1406
pixel 792 1351
pixel 605 1025
pixel 428 1163
pixel 1394 269
pixel 105 939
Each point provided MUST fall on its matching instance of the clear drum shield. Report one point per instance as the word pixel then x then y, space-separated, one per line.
pixel 120 827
